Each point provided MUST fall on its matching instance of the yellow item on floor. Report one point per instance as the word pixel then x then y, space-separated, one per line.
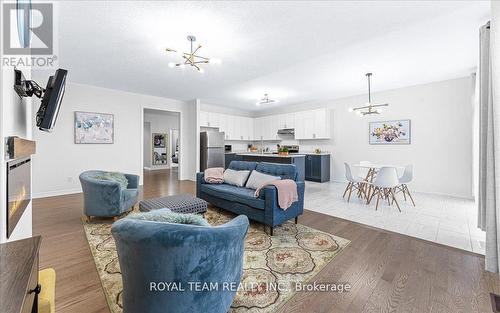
pixel 47 296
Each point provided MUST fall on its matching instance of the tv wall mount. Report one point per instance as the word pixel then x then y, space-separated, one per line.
pixel 26 88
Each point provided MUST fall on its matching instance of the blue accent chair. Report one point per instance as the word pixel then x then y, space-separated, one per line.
pixel 106 198
pixel 240 200
pixel 156 252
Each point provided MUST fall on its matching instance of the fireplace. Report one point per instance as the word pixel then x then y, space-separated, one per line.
pixel 18 190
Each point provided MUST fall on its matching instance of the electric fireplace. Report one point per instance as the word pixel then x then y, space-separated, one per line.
pixel 18 190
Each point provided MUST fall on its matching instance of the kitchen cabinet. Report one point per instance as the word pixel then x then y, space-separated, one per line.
pixel 297 160
pixel 247 128
pixel 264 128
pixel 203 118
pixel 308 125
pixel 270 127
pixel 312 124
pixel 317 167
pixel 229 157
pixel 257 128
pixel 235 127
pixel 213 119
pixel 285 120
pixel 251 126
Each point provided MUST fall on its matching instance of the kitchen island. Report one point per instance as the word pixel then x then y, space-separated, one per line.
pixel 299 160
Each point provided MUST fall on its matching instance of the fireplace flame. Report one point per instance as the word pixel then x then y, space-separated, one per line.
pixel 21 197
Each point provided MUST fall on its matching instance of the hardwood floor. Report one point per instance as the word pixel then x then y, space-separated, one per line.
pixel 388 272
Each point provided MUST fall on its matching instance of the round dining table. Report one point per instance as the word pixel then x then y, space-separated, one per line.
pixel 374 167
pixel 372 171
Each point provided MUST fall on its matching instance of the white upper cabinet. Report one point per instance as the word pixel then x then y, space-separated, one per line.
pixel 204 118
pixel 270 126
pixel 285 120
pixel 321 129
pixel 213 119
pixel 312 124
pixel 257 128
pixel 309 124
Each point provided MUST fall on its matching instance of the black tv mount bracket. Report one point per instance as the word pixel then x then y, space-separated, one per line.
pixel 26 88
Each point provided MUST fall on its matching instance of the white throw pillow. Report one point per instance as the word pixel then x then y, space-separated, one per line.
pixel 237 178
pixel 257 179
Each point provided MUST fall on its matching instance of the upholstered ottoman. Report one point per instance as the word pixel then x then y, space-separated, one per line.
pixel 180 203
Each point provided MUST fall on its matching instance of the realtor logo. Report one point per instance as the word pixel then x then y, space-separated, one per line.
pixel 28 35
pixel 28 28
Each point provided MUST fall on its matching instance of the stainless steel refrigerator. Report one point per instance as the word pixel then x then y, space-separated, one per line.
pixel 211 149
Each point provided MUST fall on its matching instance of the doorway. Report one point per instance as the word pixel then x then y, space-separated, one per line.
pixel 161 140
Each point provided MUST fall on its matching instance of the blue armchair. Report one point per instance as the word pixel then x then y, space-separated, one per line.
pixel 153 254
pixel 240 200
pixel 106 198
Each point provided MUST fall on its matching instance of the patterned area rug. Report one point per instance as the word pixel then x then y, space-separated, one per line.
pixel 293 255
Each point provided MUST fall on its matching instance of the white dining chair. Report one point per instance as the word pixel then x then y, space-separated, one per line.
pixel 404 180
pixel 384 186
pixel 368 173
pixel 355 182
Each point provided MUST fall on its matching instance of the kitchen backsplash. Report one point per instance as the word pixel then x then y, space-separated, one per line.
pixel 305 146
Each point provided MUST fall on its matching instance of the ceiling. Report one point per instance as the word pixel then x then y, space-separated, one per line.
pixel 295 51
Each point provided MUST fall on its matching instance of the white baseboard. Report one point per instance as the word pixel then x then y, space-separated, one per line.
pixel 419 191
pixel 161 167
pixel 54 193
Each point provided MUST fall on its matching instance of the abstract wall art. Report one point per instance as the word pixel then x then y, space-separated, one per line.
pixel 91 127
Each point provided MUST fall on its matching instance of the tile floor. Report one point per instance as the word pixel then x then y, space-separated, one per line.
pixel 442 219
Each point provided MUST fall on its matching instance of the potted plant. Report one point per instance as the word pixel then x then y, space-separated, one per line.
pixel 283 151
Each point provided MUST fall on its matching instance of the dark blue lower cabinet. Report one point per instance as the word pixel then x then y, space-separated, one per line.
pixel 231 157
pixel 318 167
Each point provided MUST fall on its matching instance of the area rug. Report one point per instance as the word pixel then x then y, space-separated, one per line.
pixel 293 255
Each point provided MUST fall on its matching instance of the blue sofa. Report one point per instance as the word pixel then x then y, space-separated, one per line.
pixel 106 198
pixel 240 200
pixel 156 252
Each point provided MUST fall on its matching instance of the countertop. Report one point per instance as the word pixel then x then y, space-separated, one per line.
pixel 274 154
pixel 313 153
pixel 271 155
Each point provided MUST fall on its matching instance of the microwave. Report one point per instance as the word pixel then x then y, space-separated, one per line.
pixel 228 148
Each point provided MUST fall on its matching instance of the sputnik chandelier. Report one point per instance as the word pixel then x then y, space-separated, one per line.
pixel 369 108
pixel 265 100
pixel 191 58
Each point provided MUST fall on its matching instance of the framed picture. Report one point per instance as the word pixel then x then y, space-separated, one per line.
pixel 396 132
pixel 92 127
pixel 160 149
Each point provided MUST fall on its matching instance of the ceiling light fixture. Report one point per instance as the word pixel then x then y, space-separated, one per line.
pixel 266 100
pixel 191 58
pixel 369 108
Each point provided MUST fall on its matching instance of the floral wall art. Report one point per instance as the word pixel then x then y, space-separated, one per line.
pixel 93 127
pixel 396 132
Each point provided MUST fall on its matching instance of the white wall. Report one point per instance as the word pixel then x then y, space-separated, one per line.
pixel 147 145
pixel 189 153
pixel 15 120
pixel 160 122
pixel 441 143
pixel 59 160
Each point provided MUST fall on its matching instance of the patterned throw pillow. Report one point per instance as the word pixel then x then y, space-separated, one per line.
pixel 114 176
pixel 167 216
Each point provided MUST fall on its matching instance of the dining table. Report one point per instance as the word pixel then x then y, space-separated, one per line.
pixel 372 169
